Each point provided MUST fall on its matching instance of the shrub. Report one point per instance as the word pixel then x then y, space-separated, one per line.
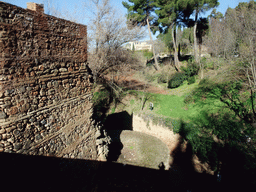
pixel 189 99
pixel 162 78
pixel 149 64
pixel 147 54
pixel 204 81
pixel 100 97
pixel 101 100
pixel 176 80
pixel 150 77
pixel 191 70
pixel 191 80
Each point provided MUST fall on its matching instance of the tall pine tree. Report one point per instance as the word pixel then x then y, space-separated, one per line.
pixel 171 14
pixel 140 13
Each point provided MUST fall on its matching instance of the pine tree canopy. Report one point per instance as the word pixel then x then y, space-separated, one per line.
pixel 140 10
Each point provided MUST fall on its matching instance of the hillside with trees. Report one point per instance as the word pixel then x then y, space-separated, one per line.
pixel 204 89
pixel 198 82
pixel 210 73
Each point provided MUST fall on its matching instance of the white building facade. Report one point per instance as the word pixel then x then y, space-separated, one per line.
pixel 139 45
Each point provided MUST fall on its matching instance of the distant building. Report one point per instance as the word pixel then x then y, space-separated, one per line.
pixel 139 45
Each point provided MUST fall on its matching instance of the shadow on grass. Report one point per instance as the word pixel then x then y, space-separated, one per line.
pixel 233 161
pixel 77 175
pixel 183 164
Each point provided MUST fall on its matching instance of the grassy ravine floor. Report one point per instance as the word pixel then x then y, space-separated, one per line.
pixel 171 105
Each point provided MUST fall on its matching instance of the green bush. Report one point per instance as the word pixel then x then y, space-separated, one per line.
pixel 101 97
pixel 204 81
pixel 191 70
pixel 189 99
pixel 191 80
pixel 101 100
pixel 147 54
pixel 177 80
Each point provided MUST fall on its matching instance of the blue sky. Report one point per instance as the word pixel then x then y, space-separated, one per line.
pixel 76 7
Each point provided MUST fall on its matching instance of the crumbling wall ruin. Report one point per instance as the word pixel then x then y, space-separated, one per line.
pixel 45 85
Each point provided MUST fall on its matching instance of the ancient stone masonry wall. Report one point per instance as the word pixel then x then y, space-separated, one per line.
pixel 45 85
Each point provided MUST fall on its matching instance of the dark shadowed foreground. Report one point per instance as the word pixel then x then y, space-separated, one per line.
pixel 38 173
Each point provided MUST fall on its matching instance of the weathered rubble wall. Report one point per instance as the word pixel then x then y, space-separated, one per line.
pixel 45 85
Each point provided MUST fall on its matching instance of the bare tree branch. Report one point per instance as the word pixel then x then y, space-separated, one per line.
pixel 108 32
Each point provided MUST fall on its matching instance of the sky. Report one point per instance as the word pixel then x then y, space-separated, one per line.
pixel 76 8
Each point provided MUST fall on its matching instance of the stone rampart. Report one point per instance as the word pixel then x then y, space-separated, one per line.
pixel 45 85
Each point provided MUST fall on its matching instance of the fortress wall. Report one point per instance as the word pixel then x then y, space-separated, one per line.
pixel 45 85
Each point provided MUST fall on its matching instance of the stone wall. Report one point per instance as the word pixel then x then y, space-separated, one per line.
pixel 45 85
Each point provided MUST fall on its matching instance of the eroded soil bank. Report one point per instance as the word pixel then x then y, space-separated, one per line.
pixel 177 148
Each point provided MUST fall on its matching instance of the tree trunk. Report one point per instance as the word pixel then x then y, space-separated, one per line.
pixel 153 49
pixel 201 64
pixel 195 39
pixel 179 55
pixel 176 58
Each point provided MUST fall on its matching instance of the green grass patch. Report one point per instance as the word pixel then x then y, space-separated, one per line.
pixel 173 106
pixel 113 110
pixel 185 88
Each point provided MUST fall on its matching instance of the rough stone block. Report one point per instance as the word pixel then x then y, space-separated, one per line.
pixel 13 110
pixel 2 115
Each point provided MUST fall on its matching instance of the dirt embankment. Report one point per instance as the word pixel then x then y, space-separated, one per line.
pixel 172 140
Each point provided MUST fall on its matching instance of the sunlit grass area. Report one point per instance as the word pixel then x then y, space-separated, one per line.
pixel 175 105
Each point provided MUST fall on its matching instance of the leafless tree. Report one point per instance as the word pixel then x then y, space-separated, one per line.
pixel 238 39
pixel 108 32
pixel 160 47
pixel 221 41
pixel 247 48
pixel 214 40
pixel 51 8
